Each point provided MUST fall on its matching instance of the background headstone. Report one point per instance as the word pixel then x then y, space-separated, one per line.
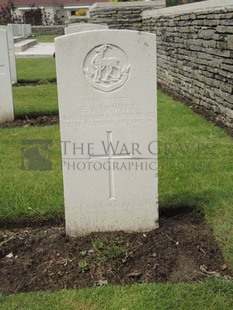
pixel 84 27
pixel 107 97
pixel 6 98
pixel 73 24
pixel 11 47
pixel 15 29
pixel 27 30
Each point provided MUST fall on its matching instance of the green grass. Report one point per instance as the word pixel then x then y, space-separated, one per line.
pixel 195 169
pixel 29 193
pixel 210 295
pixel 35 69
pixel 45 38
pixel 202 178
pixel 40 99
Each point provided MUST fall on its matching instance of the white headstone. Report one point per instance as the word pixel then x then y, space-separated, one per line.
pixel 84 27
pixel 21 30
pixel 108 116
pixel 6 98
pixel 15 29
pixel 11 26
pixel 27 30
pixel 73 24
pixel 11 47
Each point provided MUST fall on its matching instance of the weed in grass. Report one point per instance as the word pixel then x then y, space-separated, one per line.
pixel 84 265
pixel 97 245
pixel 106 254
pixel 83 253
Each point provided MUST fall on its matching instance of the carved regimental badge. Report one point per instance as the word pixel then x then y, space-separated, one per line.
pixel 106 67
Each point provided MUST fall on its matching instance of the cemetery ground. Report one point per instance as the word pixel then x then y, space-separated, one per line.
pixel 190 257
pixel 44 38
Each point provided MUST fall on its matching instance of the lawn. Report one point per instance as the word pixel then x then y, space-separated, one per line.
pixel 45 38
pixel 39 95
pixel 29 193
pixel 39 99
pixel 195 169
pixel 35 70
pixel 210 295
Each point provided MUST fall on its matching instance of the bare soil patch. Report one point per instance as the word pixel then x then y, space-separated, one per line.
pixel 44 258
pixel 32 121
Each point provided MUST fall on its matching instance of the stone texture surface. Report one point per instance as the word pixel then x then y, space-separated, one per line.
pixel 83 27
pixel 77 20
pixel 11 48
pixel 122 15
pixel 6 99
pixel 191 7
pixel 21 30
pixel 108 117
pixel 40 30
pixel 195 51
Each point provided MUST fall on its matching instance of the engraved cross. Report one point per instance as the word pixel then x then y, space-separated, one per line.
pixel 111 157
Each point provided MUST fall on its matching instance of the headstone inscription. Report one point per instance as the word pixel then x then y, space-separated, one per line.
pixel 108 121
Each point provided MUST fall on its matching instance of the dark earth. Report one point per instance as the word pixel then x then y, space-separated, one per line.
pixel 44 258
pixel 32 121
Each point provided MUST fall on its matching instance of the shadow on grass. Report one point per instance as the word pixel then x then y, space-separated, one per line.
pixel 33 115
pixel 33 221
pixel 179 204
pixel 35 82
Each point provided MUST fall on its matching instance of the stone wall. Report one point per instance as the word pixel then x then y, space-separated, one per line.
pixel 42 30
pixel 77 20
pixel 195 57
pixel 122 15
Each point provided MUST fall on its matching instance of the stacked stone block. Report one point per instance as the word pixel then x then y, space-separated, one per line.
pixel 124 15
pixel 195 58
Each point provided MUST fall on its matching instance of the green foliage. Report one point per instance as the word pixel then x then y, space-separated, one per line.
pixel 210 295
pixel 84 266
pixel 109 249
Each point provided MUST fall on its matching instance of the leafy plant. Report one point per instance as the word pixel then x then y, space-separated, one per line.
pixel 83 253
pixel 84 266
